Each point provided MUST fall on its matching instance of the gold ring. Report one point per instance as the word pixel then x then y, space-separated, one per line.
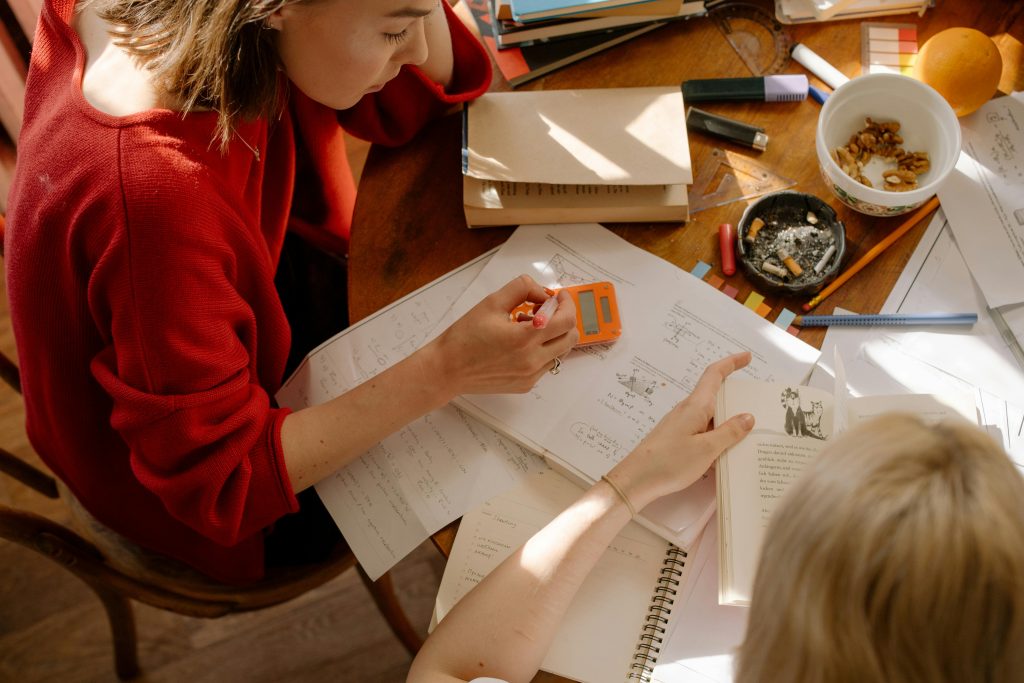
pixel 557 367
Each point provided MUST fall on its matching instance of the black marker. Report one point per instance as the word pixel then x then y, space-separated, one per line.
pixel 779 88
pixel 737 131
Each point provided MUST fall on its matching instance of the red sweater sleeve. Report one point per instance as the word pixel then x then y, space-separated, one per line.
pixel 396 113
pixel 181 294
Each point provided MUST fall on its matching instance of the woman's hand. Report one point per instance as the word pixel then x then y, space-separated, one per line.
pixel 681 448
pixel 484 352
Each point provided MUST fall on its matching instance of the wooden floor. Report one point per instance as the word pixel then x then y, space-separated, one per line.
pixel 53 628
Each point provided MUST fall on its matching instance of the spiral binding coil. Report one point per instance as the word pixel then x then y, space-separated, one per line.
pixel 652 635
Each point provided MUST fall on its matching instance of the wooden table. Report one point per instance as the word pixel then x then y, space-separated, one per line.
pixel 409 227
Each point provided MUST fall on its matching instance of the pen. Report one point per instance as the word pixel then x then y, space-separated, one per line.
pixel 776 88
pixel 543 314
pixel 876 319
pixel 818 66
pixel 737 131
pixel 872 253
pixel 817 94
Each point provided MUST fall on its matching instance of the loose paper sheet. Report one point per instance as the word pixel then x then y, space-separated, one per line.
pixel 984 198
pixel 607 397
pixel 430 472
pixel 935 360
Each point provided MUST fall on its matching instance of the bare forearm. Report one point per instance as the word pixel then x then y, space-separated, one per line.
pixel 504 626
pixel 321 439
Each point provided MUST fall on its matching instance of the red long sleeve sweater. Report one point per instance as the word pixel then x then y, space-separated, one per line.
pixel 140 271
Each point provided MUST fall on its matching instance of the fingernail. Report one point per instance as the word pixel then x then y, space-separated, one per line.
pixel 747 421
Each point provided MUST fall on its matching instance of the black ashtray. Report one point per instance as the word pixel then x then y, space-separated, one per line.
pixel 790 243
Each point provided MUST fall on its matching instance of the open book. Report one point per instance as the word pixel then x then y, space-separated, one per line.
pixel 620 610
pixel 608 397
pixel 792 424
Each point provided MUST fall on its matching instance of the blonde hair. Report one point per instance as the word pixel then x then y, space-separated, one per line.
pixel 898 556
pixel 213 54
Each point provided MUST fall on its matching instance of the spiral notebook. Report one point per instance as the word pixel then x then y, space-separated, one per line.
pixel 614 627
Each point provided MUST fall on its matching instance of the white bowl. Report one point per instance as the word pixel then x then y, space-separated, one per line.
pixel 927 124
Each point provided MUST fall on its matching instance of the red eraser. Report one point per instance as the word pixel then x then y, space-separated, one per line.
pixel 726 243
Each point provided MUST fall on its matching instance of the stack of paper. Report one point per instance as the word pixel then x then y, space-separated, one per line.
pixel 564 156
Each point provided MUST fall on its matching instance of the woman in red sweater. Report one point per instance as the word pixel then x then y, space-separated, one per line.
pixel 168 149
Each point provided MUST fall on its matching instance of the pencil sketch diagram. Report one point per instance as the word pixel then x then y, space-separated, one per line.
pixel 594 439
pixel 679 333
pixel 565 272
pixel 637 383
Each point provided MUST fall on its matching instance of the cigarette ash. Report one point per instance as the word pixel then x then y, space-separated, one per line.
pixel 804 238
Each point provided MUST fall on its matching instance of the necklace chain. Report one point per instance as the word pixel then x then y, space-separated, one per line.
pixel 255 150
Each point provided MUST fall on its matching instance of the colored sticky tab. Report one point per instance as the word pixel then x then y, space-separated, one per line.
pixel 785 318
pixel 793 331
pixel 877 46
pixel 730 291
pixel 715 281
pixel 753 301
pixel 883 33
pixel 763 310
pixel 700 270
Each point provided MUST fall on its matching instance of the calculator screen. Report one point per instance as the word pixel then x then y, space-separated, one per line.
pixel 588 312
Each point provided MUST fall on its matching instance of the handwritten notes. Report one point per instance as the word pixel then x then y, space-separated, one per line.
pixel 425 475
pixel 607 398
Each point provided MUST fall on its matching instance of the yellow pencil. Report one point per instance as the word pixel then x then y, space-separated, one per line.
pixel 867 258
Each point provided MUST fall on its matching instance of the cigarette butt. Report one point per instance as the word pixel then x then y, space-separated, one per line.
pixel 775 270
pixel 755 227
pixel 790 263
pixel 820 265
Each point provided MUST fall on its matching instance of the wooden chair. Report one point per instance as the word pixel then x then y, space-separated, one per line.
pixel 119 571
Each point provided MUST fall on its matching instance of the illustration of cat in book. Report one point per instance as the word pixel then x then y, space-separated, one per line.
pixel 800 422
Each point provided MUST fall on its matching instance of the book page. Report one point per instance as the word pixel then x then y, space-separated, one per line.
pixel 597 638
pixel 607 397
pixel 430 472
pixel 791 424
pixel 928 408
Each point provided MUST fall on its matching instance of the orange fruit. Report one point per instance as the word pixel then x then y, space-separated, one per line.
pixel 963 65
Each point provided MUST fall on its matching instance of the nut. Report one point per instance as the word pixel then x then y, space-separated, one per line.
pixel 881 139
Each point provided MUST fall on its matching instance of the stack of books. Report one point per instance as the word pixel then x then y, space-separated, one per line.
pixel 529 38
pixel 544 157
pixel 538 21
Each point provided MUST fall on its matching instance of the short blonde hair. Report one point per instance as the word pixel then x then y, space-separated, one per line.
pixel 213 54
pixel 898 556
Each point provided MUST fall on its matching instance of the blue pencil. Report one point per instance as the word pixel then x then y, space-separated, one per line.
pixel 878 319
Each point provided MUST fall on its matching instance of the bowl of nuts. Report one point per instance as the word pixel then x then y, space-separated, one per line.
pixel 790 243
pixel 885 142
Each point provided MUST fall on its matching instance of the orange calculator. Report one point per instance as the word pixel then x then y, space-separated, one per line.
pixel 597 313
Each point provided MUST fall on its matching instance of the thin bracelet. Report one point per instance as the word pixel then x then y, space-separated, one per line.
pixel 632 510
